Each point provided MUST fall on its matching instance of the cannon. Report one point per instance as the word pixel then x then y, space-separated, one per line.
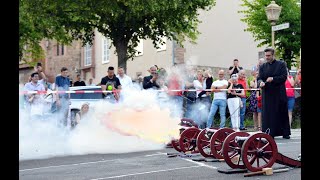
pixel 185 123
pixel 254 152
pixel 209 141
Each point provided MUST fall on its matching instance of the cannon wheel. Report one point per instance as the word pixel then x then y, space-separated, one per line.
pixel 259 151
pixel 231 150
pixel 203 143
pixel 188 138
pixel 175 144
pixel 216 142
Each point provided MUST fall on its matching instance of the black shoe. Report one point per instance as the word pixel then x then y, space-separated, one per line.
pixel 286 137
pixel 243 129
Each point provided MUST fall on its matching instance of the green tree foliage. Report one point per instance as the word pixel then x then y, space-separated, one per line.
pixel 287 41
pixel 125 22
pixel 36 22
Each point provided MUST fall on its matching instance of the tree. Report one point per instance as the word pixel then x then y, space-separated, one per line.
pixel 34 27
pixel 287 41
pixel 125 22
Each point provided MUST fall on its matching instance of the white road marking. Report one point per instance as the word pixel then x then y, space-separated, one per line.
pixel 200 163
pixel 83 163
pixel 148 172
pixel 290 143
pixel 157 154
pixel 46 167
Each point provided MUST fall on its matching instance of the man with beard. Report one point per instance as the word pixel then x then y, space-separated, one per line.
pixel 272 78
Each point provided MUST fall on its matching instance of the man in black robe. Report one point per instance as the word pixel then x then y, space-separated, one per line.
pixel 272 78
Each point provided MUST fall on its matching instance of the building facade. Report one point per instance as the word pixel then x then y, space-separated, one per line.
pixel 222 40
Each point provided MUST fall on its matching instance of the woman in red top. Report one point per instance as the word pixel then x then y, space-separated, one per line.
pixel 290 94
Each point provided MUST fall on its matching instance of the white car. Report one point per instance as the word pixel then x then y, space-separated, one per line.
pixel 78 99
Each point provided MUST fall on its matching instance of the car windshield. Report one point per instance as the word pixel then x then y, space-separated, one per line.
pixel 86 95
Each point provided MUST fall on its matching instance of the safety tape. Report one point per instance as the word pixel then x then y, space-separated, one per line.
pixel 100 91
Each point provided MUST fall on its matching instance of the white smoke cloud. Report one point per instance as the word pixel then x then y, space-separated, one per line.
pixel 139 114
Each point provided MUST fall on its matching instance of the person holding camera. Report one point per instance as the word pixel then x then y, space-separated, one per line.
pixel 42 77
pixel 110 83
pixel 150 81
pixel 235 68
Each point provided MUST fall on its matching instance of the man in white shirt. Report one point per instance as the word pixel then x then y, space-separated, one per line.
pixel 35 101
pixel 219 100
pixel 125 80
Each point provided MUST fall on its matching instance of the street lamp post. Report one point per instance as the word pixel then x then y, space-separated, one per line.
pixel 273 11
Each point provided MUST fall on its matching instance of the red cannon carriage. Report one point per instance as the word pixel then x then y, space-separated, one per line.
pixel 253 152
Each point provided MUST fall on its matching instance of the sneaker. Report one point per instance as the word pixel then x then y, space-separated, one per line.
pixel 243 129
pixel 286 137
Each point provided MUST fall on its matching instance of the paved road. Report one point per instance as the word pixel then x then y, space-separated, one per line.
pixel 146 165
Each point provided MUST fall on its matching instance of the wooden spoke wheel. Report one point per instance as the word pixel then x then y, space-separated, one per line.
pixel 216 141
pixel 259 151
pixel 188 139
pixel 231 150
pixel 175 144
pixel 203 142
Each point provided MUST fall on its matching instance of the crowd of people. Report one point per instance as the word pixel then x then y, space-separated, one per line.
pixel 196 87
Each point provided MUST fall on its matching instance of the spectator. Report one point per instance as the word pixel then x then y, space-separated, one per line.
pixel 78 81
pixel 256 67
pixel 91 82
pixel 203 99
pixel 290 95
pixel 110 83
pixel 175 83
pixel 243 81
pixel 71 81
pixel 235 68
pixel 219 100
pixel 298 81
pixel 190 95
pixel 35 101
pixel 253 102
pixel 42 76
pixel 150 81
pixel 125 80
pixel 208 82
pixel 62 83
pixel 82 113
pixel 234 101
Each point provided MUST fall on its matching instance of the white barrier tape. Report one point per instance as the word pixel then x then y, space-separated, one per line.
pixel 100 91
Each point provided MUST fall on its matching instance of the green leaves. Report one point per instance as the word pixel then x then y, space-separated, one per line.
pixel 287 41
pixel 123 21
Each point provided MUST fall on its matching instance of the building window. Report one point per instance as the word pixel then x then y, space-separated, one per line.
pixel 139 48
pixel 58 48
pixel 260 54
pixel 62 49
pixel 105 50
pixel 162 47
pixel 87 55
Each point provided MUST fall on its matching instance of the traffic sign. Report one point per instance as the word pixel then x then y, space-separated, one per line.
pixel 280 26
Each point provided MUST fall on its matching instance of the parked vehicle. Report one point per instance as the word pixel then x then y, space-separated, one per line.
pixel 78 99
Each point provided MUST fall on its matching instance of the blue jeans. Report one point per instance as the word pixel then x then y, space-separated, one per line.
pixel 222 105
pixel 189 104
pixel 242 112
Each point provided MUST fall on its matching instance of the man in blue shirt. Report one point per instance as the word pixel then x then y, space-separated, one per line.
pixel 63 99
